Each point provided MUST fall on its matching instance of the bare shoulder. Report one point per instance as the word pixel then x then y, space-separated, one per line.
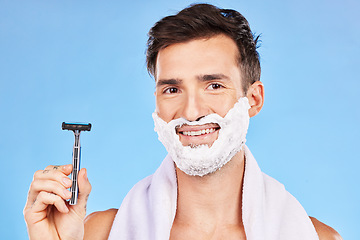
pixel 324 231
pixel 98 224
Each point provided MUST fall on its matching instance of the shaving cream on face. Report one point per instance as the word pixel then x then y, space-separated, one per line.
pixel 201 160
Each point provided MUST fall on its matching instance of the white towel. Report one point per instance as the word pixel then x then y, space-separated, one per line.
pixel 269 211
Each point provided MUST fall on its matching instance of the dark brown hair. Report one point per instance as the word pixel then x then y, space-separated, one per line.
pixel 205 21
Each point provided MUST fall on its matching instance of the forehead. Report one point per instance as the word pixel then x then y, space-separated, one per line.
pixel 217 54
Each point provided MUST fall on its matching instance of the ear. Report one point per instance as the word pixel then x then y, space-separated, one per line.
pixel 255 94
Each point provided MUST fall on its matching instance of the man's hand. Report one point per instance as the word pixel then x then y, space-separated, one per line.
pixel 47 214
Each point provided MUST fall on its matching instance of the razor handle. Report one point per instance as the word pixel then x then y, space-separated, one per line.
pixel 76 167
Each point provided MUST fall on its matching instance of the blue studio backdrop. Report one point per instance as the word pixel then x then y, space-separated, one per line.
pixel 84 61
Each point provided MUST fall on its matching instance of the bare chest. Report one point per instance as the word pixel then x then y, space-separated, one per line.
pixel 192 233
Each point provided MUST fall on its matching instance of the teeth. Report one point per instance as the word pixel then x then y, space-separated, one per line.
pixel 198 133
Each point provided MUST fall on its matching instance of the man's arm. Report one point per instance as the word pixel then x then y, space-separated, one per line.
pixel 98 224
pixel 324 231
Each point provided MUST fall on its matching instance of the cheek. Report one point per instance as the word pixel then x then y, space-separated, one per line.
pixel 164 110
pixel 222 105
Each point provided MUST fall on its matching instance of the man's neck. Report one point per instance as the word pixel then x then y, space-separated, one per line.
pixel 212 200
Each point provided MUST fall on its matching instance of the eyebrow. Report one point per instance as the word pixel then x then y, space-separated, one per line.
pixel 211 77
pixel 201 78
pixel 172 81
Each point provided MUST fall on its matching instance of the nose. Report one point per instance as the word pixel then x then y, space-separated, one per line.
pixel 193 108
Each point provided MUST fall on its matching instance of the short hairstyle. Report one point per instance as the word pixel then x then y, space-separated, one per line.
pixel 201 21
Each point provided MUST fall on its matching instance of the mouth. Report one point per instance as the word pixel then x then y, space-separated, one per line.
pixel 196 135
pixel 195 131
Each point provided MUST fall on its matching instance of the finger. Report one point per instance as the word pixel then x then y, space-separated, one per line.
pixel 55 182
pixel 36 212
pixel 84 192
pixel 45 199
pixel 52 175
pixel 66 169
pixel 51 187
pixel 53 172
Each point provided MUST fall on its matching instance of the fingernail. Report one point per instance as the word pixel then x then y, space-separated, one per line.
pixel 67 193
pixel 67 166
pixel 85 175
pixel 66 209
pixel 66 181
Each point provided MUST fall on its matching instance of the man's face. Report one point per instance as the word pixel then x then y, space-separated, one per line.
pixel 194 79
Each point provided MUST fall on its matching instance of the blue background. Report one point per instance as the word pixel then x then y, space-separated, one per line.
pixel 84 61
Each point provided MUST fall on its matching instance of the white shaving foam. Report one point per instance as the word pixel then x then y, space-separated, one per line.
pixel 202 159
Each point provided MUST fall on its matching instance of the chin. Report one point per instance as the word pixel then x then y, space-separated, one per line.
pixel 197 142
pixel 194 145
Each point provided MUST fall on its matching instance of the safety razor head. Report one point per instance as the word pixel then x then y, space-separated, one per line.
pixel 76 126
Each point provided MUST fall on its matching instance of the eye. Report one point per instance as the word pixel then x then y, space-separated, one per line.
pixel 214 86
pixel 171 90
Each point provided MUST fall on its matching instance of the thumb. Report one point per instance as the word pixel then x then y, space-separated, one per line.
pixel 84 192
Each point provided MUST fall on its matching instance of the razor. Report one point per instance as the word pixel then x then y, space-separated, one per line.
pixel 76 128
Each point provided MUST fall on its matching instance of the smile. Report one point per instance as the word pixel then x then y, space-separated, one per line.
pixel 199 132
pixel 195 131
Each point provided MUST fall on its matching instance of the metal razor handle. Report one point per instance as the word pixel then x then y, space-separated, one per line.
pixel 76 128
pixel 76 167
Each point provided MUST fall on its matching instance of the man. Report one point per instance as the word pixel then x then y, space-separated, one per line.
pixel 207 74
